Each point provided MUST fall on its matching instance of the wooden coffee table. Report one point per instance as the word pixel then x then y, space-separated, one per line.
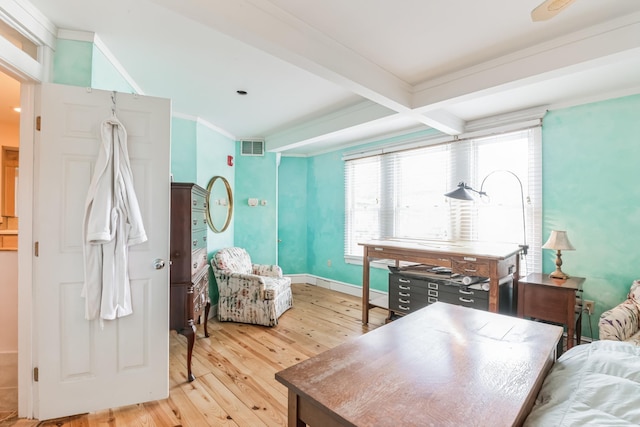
pixel 442 365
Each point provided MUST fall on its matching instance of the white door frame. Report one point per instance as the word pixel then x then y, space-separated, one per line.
pixel 29 72
pixel 25 251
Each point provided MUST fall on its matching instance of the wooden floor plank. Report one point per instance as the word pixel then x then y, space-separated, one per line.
pixel 235 367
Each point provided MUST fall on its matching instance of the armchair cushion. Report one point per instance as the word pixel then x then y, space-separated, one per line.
pixel 622 322
pixel 634 292
pixel 249 293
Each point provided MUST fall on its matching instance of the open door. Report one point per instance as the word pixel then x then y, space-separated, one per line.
pixel 81 366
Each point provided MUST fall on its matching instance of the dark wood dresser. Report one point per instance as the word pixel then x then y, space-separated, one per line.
pixel 189 271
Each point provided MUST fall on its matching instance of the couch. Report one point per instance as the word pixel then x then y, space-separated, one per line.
pixel 622 322
pixel 249 293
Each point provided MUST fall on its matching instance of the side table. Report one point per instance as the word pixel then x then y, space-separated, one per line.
pixel 552 300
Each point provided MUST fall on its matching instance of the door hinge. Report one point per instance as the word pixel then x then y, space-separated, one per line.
pixel 35 374
pixel 36 249
pixel 38 121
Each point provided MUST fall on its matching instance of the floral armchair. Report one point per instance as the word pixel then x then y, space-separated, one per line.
pixel 622 322
pixel 249 293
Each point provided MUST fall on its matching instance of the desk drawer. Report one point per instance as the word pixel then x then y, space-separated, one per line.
pixel 408 305
pixel 470 268
pixel 465 292
pixel 464 300
pixel 407 294
pixel 405 283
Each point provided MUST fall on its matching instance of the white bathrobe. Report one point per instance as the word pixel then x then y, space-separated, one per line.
pixel 112 222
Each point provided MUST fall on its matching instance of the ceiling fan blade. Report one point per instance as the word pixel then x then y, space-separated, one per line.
pixel 548 9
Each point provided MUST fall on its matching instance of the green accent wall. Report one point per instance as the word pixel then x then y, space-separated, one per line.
pixel 256 227
pixel 326 219
pixel 590 189
pixel 212 150
pixel 292 215
pixel 106 76
pixel 73 63
pixel 590 158
pixel 184 153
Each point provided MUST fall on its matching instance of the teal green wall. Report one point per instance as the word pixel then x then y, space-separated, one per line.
pixel 323 218
pixel 105 76
pixel 590 188
pixel 292 215
pixel 184 153
pixel 73 63
pixel 79 63
pixel 211 160
pixel 256 227
pixel 213 150
pixel 325 215
pixel 590 158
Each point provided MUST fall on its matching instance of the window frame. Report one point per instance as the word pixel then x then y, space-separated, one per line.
pixel 462 165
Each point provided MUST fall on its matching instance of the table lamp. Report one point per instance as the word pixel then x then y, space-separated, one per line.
pixel 558 241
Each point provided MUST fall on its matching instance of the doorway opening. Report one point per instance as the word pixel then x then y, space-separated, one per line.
pixel 9 149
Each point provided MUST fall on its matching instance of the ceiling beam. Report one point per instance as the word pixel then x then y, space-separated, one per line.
pixel 562 56
pixel 259 23
pixel 262 25
pixel 340 120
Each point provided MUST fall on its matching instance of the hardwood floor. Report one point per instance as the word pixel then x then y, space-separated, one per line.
pixel 236 365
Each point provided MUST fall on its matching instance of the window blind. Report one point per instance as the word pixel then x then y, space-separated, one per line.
pixel 400 194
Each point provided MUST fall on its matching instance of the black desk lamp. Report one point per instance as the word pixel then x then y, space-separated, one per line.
pixel 466 192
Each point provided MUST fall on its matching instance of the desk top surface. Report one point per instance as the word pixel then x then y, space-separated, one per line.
pixel 443 364
pixel 462 248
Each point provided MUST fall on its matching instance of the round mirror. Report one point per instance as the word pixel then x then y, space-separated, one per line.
pixel 220 205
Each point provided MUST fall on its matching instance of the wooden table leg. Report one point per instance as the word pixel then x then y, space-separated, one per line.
pixel 365 287
pixel 293 413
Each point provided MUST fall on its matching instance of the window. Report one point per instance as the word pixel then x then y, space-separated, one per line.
pixel 400 194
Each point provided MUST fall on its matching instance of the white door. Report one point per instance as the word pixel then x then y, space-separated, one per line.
pixel 82 366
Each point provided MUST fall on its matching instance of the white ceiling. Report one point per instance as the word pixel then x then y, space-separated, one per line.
pixel 321 74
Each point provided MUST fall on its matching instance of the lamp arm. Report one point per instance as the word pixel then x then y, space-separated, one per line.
pixel 525 247
pixel 468 187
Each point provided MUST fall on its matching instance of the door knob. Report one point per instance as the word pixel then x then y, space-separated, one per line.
pixel 159 264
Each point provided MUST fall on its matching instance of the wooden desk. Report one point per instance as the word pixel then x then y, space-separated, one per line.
pixel 494 261
pixel 552 300
pixel 442 365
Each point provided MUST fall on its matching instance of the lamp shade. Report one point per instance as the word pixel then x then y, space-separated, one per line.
pixel 461 192
pixel 558 240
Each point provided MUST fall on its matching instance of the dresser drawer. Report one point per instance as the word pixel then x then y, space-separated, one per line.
pixel 198 239
pixel 200 294
pixel 198 261
pixel 470 268
pixel 198 220
pixel 198 201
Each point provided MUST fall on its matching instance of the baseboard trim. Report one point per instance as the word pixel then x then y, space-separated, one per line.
pixel 335 285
